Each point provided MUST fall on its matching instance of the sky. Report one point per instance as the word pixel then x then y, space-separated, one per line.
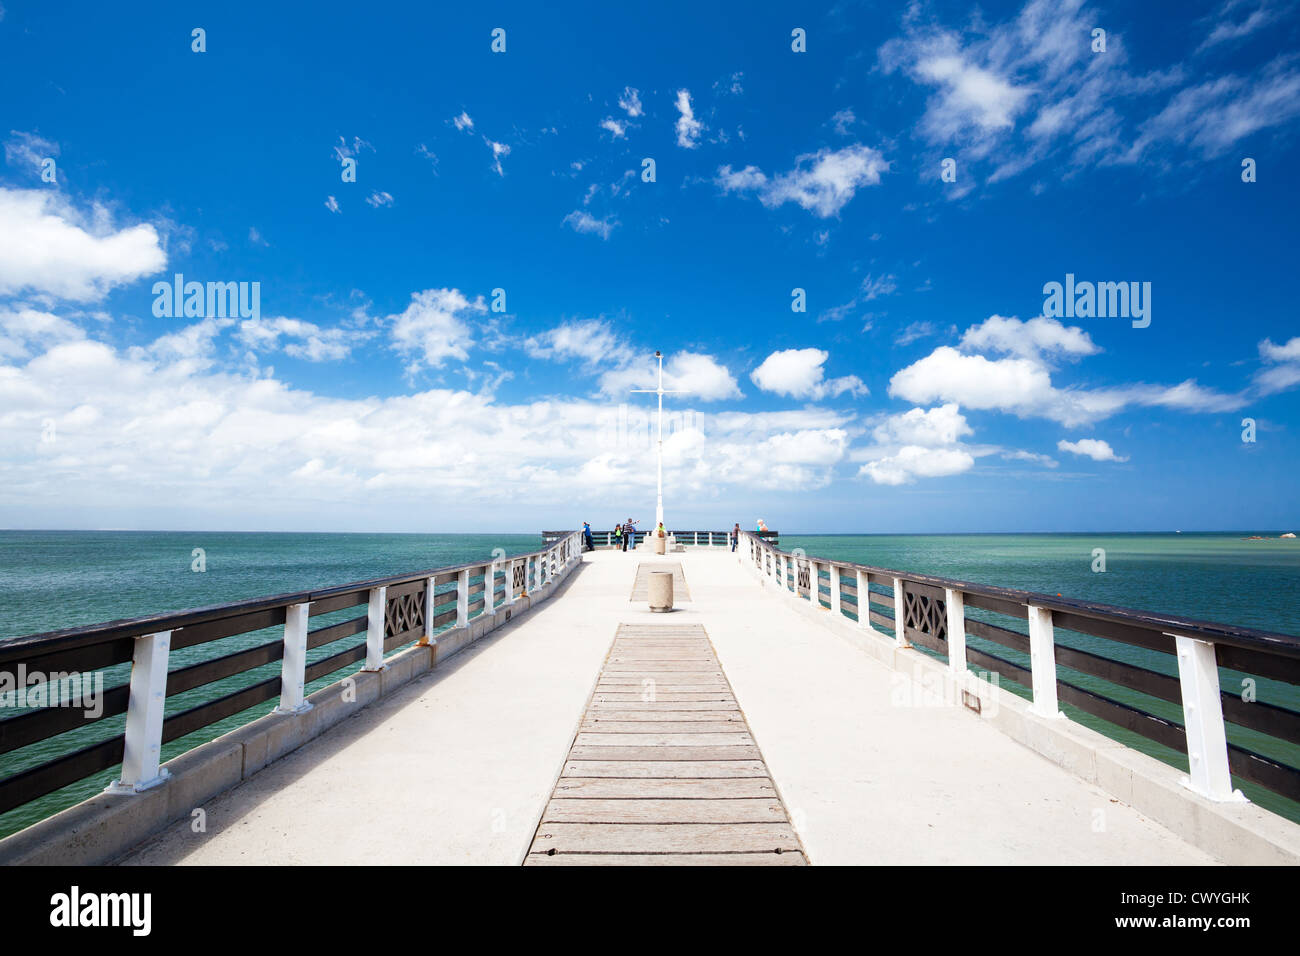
pixel 462 235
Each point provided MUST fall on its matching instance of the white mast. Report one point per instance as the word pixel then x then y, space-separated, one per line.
pixel 661 392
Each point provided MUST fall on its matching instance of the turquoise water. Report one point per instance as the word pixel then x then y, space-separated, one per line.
pixel 57 579
pixel 51 580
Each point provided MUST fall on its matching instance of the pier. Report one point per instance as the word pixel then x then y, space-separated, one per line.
pixel 532 710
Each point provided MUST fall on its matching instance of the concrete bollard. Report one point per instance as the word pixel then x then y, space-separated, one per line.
pixel 661 544
pixel 661 591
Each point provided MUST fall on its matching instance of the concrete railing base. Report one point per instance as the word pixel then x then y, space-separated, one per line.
pixel 1235 833
pixel 107 826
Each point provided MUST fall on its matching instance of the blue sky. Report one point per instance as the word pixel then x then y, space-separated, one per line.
pixel 379 389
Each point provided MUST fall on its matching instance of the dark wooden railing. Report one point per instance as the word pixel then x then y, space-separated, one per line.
pixel 398 611
pixel 939 613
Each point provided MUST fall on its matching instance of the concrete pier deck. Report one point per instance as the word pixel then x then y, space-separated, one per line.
pixel 461 765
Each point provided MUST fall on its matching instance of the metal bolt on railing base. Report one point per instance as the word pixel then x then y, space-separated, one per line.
pixel 118 787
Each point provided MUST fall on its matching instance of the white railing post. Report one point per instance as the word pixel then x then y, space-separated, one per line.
pixel 375 629
pixel 1042 662
pixel 510 581
pixel 956 604
pixel 814 585
pixel 537 573
pixel 144 715
pixel 834 572
pixel 429 603
pixel 489 588
pixel 293 667
pixel 900 634
pixel 1207 740
pixel 462 598
pixel 864 600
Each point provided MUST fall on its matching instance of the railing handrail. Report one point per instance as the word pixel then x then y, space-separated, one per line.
pixel 931 610
pixel 1252 638
pixel 399 610
pixel 12 648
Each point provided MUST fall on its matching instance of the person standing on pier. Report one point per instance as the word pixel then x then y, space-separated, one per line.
pixel 587 543
pixel 629 535
pixel 618 538
pixel 735 536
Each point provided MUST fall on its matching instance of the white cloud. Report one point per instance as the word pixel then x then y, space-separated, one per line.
pixel 821 182
pixel 156 437
pixel 591 340
pixel 1227 30
pixel 843 121
pixel 29 150
pixel 331 204
pixel 798 373
pixel 630 102
pixel 730 85
pixel 344 149
pixel 1288 352
pixel 1046 461
pixel 914 461
pixel 1283 366
pixel 1030 90
pixel 582 221
pixel 23 330
pixel 691 373
pixel 1214 115
pixel 919 443
pixel 616 128
pixel 498 150
pixel 914 332
pixel 435 327
pixel 463 121
pixel 1039 336
pixel 304 340
pixel 1093 448
pixel 873 287
pixel 935 427
pixel 47 246
pixel 380 199
pixel 688 127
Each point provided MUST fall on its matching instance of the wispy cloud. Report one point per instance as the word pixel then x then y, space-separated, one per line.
pixel 821 182
pixel 582 221
pixel 688 127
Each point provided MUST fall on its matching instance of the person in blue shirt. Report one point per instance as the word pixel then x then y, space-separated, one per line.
pixel 587 543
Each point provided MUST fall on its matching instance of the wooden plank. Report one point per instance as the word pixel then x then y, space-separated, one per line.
pixel 626 811
pixel 723 726
pixel 720 788
pixel 671 778
pixel 664 753
pixel 665 859
pixel 590 739
pixel 634 769
pixel 622 715
pixel 702 666
pixel 665 838
pixel 632 703
pixel 684 679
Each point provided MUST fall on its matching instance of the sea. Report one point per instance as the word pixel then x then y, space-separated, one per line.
pixel 57 579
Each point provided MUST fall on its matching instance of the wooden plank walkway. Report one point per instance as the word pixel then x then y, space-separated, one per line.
pixel 641 586
pixel 663 769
